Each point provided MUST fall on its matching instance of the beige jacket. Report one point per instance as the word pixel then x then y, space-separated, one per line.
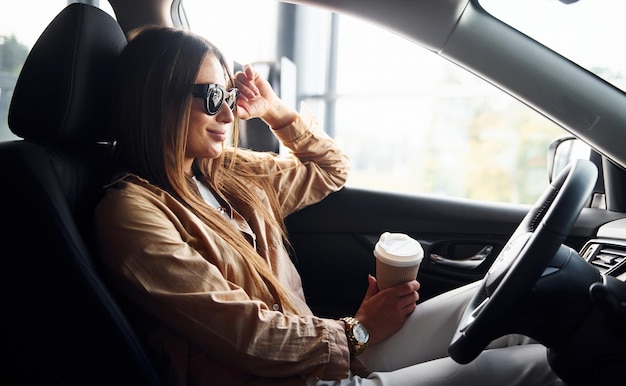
pixel 219 323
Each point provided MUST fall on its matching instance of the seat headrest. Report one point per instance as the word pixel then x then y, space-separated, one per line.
pixel 63 91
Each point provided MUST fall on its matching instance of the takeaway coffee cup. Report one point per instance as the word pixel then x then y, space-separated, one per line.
pixel 398 258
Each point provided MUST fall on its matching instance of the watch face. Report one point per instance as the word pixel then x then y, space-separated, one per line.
pixel 360 333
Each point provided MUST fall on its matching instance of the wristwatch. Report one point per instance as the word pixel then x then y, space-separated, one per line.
pixel 357 335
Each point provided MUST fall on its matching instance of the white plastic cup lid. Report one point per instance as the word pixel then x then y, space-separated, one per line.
pixel 398 249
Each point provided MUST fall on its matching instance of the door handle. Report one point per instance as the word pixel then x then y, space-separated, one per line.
pixel 465 263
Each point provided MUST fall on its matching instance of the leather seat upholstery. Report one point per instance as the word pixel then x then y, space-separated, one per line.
pixel 62 324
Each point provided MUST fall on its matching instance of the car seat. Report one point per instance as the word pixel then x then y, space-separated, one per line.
pixel 63 326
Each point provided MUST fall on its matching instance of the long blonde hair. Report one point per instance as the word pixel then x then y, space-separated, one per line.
pixel 156 72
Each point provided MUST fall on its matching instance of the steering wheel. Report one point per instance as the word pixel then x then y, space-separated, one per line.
pixel 523 259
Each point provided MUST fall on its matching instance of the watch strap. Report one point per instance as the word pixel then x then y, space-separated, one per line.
pixel 354 345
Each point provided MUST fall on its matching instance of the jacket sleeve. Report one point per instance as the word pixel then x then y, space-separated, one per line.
pixel 159 265
pixel 315 167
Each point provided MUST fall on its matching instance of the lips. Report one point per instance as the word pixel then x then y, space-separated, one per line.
pixel 218 135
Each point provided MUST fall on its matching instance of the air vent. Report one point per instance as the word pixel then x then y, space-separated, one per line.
pixel 609 258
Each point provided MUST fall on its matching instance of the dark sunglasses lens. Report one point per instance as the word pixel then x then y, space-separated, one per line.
pixel 214 100
pixel 231 99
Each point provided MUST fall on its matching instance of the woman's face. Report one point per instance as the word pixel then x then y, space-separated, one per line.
pixel 207 133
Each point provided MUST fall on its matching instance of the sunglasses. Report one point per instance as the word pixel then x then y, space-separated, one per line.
pixel 215 96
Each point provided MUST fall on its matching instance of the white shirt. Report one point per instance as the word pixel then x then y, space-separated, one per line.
pixel 209 197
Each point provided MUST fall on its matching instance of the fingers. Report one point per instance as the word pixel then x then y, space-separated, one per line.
pixel 405 288
pixel 250 72
pixel 409 302
pixel 247 90
pixel 400 299
pixel 245 81
pixel 405 296
pixel 372 287
pixel 383 316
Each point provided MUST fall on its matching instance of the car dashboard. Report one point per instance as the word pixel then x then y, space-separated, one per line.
pixel 607 251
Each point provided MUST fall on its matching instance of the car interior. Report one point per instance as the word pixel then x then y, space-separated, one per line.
pixel 66 326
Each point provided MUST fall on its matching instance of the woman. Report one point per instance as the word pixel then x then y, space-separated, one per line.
pixel 192 231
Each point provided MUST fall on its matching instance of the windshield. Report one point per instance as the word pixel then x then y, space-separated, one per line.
pixel 587 32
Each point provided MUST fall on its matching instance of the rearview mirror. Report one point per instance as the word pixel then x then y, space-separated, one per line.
pixel 564 150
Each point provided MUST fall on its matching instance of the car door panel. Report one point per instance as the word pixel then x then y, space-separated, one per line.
pixel 333 242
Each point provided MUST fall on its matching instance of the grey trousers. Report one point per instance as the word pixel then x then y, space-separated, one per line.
pixel 418 353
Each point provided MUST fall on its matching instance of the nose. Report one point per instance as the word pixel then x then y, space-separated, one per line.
pixel 225 114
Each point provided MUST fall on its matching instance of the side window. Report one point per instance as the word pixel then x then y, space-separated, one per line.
pixel 249 37
pixel 21 23
pixel 415 123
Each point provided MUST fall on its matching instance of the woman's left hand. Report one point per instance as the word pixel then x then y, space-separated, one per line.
pixel 258 99
pixel 255 93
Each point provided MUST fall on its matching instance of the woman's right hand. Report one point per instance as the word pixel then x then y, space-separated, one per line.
pixel 384 312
